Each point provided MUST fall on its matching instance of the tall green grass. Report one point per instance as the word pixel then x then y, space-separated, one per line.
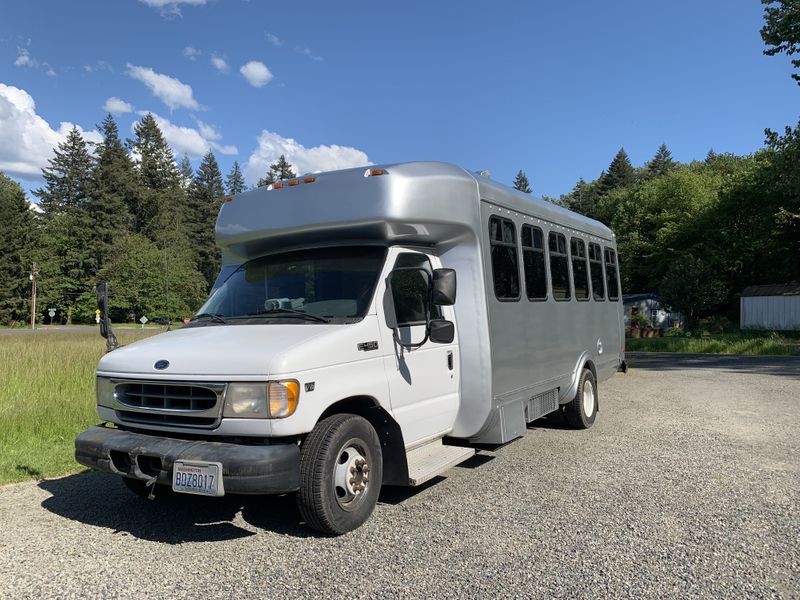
pixel 46 399
pixel 756 344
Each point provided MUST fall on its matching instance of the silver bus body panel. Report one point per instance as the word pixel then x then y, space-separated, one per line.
pixel 517 359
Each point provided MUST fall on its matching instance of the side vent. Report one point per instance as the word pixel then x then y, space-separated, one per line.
pixel 541 405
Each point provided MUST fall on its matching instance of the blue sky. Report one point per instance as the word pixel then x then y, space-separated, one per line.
pixel 553 88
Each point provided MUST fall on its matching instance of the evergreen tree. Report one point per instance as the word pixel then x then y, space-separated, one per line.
pixel 17 240
pixel 661 163
pixel 69 262
pixel 278 171
pixel 234 182
pixel 620 173
pixel 205 199
pixel 521 182
pixel 187 174
pixel 116 190
pixel 68 179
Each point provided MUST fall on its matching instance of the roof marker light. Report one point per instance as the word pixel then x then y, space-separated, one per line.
pixel 374 172
pixel 309 180
pixel 276 186
pixel 294 182
pixel 229 198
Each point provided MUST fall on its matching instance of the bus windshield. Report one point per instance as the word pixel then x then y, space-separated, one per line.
pixel 321 285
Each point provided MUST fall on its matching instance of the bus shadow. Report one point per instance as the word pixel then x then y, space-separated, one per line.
pixel 103 501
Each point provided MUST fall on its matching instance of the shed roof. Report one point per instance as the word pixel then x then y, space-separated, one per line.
pixel 778 289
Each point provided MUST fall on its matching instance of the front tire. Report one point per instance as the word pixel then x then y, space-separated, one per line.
pixel 341 470
pixel 582 410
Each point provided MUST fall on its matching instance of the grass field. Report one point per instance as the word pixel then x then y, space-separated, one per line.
pixel 744 343
pixel 47 398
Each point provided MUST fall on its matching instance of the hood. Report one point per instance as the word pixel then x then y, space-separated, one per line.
pixel 238 350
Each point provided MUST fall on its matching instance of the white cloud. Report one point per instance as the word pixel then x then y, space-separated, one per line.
pixel 172 92
pixel 48 70
pixel 191 53
pixel 116 106
pixel 171 8
pixel 307 52
pixel 256 73
pixel 304 160
pixel 220 64
pixel 274 40
pixel 34 206
pixel 26 139
pixel 191 141
pixel 100 65
pixel 24 58
pixel 181 139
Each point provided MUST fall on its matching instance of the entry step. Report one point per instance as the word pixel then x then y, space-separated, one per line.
pixel 430 460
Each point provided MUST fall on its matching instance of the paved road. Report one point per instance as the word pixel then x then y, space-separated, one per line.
pixel 687 485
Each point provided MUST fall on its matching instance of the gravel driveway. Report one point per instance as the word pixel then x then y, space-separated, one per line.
pixel 688 484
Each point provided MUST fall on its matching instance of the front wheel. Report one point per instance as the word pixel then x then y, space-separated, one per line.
pixel 581 412
pixel 341 469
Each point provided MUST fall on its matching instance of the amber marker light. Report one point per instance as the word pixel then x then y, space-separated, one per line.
pixel 309 180
pixel 277 186
pixel 294 182
pixel 282 397
pixel 374 172
pixel 228 198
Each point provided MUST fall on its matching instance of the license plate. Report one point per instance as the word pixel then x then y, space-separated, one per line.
pixel 197 477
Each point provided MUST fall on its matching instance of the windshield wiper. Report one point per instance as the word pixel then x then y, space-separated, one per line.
pixel 287 311
pixel 215 317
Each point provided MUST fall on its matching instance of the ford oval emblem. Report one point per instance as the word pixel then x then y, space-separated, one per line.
pixel 161 364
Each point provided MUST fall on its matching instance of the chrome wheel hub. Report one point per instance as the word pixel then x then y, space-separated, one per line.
pixel 351 475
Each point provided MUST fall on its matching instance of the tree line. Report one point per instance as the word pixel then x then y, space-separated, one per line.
pixel 122 212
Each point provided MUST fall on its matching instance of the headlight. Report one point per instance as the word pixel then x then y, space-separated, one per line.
pixel 105 392
pixel 246 400
pixel 275 399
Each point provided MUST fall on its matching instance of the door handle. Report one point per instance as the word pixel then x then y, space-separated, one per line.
pixel 450 360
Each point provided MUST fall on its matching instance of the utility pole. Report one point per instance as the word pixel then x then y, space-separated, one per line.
pixel 34 273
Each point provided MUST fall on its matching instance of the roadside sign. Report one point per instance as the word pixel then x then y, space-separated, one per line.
pixel 143 320
pixel 51 313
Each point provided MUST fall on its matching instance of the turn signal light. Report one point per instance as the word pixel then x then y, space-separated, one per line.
pixel 282 398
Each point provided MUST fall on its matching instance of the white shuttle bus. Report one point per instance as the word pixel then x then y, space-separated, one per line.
pixel 334 355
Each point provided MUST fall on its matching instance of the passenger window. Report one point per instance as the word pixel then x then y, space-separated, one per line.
pixel 505 270
pixel 611 274
pixel 559 270
pixel 596 272
pixel 533 263
pixel 410 289
pixel 579 270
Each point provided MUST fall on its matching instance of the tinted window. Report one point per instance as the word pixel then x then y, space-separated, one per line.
pixel 533 263
pixel 580 275
pixel 559 270
pixel 596 272
pixel 505 270
pixel 611 274
pixel 410 289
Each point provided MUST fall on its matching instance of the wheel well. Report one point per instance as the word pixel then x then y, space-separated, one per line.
pixel 395 467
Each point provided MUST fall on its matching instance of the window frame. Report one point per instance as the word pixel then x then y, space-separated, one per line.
pixel 504 244
pixel 565 255
pixel 615 264
pixel 585 257
pixel 600 263
pixel 543 251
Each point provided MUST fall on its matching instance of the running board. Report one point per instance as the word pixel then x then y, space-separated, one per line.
pixel 433 459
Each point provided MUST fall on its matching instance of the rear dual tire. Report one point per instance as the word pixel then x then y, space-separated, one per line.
pixel 580 413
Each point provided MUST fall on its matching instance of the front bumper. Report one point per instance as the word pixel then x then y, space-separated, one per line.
pixel 245 469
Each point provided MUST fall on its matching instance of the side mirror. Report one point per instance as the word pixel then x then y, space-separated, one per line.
pixel 102 306
pixel 444 287
pixel 442 331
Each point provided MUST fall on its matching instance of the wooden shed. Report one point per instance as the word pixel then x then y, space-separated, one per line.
pixel 775 307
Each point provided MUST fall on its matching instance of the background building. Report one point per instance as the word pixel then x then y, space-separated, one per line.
pixel 775 307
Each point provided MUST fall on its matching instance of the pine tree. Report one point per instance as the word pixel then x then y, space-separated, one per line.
pixel 17 240
pixel 521 182
pixel 280 170
pixel 205 199
pixel 68 178
pixel 69 262
pixel 234 182
pixel 187 174
pixel 620 173
pixel 661 163
pixel 116 190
